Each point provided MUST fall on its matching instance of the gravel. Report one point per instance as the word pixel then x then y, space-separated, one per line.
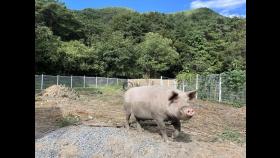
pixel 92 142
pixel 87 142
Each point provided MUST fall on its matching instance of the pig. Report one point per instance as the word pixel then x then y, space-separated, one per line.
pixel 159 104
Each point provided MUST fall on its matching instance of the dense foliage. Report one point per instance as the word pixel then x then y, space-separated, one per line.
pixel 119 42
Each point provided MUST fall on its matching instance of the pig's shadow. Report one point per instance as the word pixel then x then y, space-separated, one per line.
pixel 151 126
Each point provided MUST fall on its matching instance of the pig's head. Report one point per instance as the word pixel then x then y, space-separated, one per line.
pixel 179 99
pixel 181 102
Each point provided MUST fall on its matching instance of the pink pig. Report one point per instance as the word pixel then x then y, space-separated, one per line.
pixel 159 104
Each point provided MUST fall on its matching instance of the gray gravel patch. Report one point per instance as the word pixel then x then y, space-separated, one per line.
pixel 108 142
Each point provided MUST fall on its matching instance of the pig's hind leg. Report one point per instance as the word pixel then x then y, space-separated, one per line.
pixel 138 126
pixel 127 116
pixel 127 109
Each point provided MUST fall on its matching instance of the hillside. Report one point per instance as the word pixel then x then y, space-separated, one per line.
pixel 120 42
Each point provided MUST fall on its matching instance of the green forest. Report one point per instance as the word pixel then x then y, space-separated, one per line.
pixel 120 42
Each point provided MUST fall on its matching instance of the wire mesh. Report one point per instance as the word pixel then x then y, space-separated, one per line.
pixel 38 82
pixel 78 81
pixel 65 80
pixel 208 86
pixel 49 81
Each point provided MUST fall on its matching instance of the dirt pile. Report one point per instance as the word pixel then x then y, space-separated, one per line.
pixel 59 91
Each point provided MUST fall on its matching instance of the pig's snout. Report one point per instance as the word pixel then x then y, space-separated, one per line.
pixel 189 112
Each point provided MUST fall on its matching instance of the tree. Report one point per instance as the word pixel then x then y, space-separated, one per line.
pixel 59 19
pixel 155 54
pixel 46 50
pixel 118 43
pixel 132 24
pixel 80 59
pixel 117 54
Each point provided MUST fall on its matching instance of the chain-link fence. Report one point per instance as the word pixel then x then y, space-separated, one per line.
pixel 215 88
pixel 44 81
pixel 211 87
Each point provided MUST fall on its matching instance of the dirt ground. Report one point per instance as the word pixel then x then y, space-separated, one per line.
pixel 220 127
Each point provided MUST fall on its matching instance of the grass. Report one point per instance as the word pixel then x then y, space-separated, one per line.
pixel 37 91
pixel 100 90
pixel 86 91
pixel 225 103
pixel 37 98
pixel 231 135
pixel 236 104
pixel 68 120
pixel 110 89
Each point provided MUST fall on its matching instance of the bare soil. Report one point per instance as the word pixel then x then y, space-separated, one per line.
pixel 208 128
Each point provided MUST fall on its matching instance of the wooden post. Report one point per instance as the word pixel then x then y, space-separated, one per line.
pixel 168 82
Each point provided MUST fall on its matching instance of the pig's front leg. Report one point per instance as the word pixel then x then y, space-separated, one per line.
pixel 177 126
pixel 162 128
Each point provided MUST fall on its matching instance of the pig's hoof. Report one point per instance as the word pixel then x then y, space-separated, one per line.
pixel 175 135
pixel 140 129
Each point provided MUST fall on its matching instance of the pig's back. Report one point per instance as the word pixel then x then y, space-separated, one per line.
pixel 148 94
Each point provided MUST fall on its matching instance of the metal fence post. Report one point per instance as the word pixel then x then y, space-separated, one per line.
pixel 96 82
pixel 117 81
pixel 84 81
pixel 71 81
pixel 42 81
pixel 220 88
pixel 196 85
pixel 107 81
pixel 161 81
pixel 183 86
pixel 57 77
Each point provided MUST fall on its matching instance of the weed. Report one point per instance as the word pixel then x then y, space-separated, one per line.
pixel 231 135
pixel 68 120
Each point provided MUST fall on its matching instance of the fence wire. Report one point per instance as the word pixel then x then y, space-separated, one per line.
pixel 215 88
pixel 210 87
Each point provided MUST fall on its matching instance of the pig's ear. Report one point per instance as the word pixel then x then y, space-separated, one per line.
pixel 191 94
pixel 173 96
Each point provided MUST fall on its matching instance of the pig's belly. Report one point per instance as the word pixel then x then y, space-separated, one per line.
pixel 143 115
pixel 142 112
